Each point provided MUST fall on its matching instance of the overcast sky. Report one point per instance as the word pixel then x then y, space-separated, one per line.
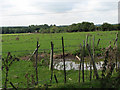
pixel 59 12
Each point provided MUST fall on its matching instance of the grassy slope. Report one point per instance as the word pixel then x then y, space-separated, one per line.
pixel 28 41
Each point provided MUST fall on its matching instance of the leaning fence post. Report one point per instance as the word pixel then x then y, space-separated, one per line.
pixel 33 53
pixel 115 42
pixel 55 78
pixel 94 66
pixel 98 42
pixel 13 86
pixel 64 60
pixel 36 63
pixel 51 62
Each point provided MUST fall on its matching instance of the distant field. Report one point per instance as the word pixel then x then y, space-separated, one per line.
pixel 24 44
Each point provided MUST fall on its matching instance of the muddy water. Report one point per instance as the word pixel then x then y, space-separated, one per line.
pixel 75 66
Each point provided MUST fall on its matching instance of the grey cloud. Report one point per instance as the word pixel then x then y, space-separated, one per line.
pixel 25 14
pixel 107 6
pixel 57 7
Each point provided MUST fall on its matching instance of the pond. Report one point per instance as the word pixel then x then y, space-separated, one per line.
pixel 69 65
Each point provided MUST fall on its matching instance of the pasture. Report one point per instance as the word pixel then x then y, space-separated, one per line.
pixel 22 73
pixel 24 44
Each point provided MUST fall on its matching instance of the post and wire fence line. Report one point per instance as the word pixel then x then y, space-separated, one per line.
pixel 62 49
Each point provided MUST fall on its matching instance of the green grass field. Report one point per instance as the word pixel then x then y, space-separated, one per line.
pixel 18 70
pixel 27 42
pixel 26 45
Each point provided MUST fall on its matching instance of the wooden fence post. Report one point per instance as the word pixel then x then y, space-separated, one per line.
pixel 86 70
pixel 80 63
pixel 80 59
pixel 36 64
pixel 86 40
pixel 86 47
pixel 116 56
pixel 51 62
pixel 98 42
pixel 90 62
pixel 51 57
pixel 13 86
pixel 33 53
pixel 83 60
pixel 64 60
pixel 93 51
pixel 94 47
pixel 55 78
pixel 115 42
pixel 94 66
pixel 7 69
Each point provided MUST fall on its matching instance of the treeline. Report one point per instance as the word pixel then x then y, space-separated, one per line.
pixel 79 27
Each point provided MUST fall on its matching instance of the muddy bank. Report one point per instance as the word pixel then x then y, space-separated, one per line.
pixel 58 57
pixel 55 56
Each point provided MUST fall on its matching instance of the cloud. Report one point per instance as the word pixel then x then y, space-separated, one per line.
pixel 57 6
pixel 26 12
pixel 107 6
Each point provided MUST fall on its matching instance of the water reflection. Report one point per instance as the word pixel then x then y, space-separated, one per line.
pixel 75 66
pixel 70 64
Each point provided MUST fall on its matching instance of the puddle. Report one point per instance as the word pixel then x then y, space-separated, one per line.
pixel 69 65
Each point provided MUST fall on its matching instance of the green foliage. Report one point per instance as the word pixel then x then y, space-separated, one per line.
pixel 6 64
pixel 78 52
pixel 79 27
pixel 41 61
pixel 98 52
pixel 106 27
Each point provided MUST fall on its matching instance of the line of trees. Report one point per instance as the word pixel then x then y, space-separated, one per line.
pixel 79 27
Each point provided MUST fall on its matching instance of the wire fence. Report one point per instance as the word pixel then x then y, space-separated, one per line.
pixel 40 50
pixel 27 41
pixel 56 49
pixel 17 43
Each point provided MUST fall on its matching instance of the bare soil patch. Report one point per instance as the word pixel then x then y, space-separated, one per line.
pixel 55 56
